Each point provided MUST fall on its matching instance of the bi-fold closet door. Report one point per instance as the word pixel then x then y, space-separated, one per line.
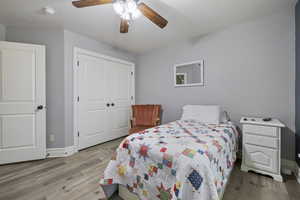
pixel 105 94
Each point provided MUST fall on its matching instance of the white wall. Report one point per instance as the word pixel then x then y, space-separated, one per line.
pixel 2 32
pixel 72 40
pixel 249 70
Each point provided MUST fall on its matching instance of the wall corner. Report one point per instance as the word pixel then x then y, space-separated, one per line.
pixel 2 32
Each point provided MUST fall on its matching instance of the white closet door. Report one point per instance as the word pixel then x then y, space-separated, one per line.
pixel 22 101
pixel 92 109
pixel 120 92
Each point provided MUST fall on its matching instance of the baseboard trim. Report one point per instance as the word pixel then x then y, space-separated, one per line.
pixel 297 173
pixel 290 167
pixel 61 152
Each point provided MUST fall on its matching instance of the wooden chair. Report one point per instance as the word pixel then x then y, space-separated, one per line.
pixel 144 117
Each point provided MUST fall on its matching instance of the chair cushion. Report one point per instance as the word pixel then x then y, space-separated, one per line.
pixel 145 115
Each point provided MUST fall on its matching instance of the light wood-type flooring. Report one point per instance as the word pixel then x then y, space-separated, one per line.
pixel 76 177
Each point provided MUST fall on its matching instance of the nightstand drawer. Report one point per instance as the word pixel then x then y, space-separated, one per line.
pixel 261 141
pixel 261 158
pixel 260 130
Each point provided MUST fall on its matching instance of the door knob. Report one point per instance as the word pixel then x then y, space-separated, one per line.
pixel 112 104
pixel 40 107
pixel 107 104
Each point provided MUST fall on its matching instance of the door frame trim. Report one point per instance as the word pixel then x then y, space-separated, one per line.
pixel 76 52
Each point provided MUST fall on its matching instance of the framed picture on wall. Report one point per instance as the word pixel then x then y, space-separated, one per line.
pixel 189 74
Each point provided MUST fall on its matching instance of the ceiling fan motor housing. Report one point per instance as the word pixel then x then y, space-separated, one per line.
pixel 127 9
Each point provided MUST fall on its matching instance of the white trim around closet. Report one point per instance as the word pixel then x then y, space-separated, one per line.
pixel 76 52
pixel 61 152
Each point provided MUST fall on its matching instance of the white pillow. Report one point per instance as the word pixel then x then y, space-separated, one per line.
pixel 204 113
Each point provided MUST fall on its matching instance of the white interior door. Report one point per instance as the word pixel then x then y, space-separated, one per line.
pixel 92 91
pixel 120 97
pixel 22 102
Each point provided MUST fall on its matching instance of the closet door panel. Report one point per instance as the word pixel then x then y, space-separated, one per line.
pixel 92 103
pixel 120 97
pixel 119 82
pixel 120 121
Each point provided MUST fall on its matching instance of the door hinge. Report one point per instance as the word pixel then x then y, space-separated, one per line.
pixel 78 63
pixel 78 99
pixel 78 134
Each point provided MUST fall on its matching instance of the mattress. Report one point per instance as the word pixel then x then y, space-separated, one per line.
pixel 181 160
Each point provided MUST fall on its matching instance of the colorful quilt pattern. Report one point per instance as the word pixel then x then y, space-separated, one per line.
pixel 182 160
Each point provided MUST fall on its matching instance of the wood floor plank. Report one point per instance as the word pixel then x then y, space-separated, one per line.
pixel 77 178
pixel 28 170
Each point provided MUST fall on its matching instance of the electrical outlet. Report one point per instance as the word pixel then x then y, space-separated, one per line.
pixel 52 137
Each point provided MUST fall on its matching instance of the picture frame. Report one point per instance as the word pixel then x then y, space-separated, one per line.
pixel 189 74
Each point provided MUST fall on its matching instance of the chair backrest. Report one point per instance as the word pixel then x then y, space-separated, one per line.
pixel 146 115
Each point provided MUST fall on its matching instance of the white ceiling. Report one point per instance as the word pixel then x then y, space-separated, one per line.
pixel 187 19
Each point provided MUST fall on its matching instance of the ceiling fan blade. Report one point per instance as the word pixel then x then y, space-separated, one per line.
pixel 152 15
pixel 124 26
pixel 86 3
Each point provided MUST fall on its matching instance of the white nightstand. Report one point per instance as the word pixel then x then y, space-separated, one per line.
pixel 261 146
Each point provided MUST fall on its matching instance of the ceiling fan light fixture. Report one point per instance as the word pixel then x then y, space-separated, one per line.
pixel 127 9
pixel 136 14
pixel 119 7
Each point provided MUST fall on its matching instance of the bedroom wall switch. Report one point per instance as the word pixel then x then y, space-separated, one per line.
pixel 52 137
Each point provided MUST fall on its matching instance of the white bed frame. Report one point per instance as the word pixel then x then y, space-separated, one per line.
pixel 125 194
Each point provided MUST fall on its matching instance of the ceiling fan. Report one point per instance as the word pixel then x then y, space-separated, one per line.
pixel 128 10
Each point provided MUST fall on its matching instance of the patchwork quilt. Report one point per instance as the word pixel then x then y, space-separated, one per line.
pixel 181 160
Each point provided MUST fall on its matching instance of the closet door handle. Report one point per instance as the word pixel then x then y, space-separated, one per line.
pixel 107 104
pixel 40 107
pixel 112 104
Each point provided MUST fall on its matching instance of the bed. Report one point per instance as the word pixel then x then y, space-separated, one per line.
pixel 183 160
